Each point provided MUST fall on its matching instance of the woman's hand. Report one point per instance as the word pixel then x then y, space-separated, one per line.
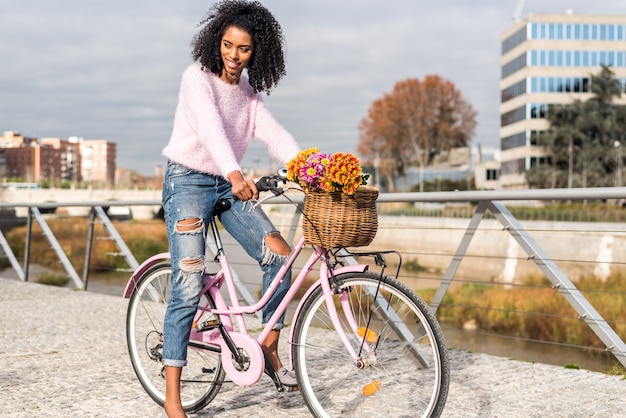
pixel 243 189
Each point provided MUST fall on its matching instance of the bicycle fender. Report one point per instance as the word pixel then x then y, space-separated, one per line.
pixel 356 268
pixel 143 267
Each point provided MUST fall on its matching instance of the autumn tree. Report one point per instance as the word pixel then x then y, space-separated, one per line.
pixel 406 127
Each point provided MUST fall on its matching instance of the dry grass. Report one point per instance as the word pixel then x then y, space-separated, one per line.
pixel 535 310
pixel 143 238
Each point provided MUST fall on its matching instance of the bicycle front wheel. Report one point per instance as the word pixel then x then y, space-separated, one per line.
pixel 202 377
pixel 403 368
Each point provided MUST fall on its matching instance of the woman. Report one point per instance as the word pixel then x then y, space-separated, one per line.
pixel 219 110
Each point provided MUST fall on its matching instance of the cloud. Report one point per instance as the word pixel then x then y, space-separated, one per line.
pixel 110 70
pixel 355 59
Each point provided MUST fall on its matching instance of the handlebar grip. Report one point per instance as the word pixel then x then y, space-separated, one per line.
pixel 266 183
pixel 269 184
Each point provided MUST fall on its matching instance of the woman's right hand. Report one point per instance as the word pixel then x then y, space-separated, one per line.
pixel 243 189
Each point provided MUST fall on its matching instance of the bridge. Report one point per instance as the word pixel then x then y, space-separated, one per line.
pixel 457 242
pixel 21 198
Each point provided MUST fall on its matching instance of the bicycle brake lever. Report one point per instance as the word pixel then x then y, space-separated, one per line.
pixel 258 202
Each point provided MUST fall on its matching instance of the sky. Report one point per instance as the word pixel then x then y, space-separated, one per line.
pixel 111 69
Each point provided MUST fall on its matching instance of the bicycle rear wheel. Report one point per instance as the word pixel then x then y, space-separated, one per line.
pixel 404 369
pixel 202 377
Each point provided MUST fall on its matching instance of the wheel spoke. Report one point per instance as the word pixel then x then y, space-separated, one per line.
pixel 202 377
pixel 403 368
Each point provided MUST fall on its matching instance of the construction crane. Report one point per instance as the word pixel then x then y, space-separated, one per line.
pixel 517 15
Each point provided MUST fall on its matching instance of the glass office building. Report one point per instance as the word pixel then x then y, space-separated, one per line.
pixel 549 59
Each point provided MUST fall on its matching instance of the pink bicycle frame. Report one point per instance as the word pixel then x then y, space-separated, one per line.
pixel 213 285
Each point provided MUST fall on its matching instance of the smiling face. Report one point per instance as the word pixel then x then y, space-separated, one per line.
pixel 236 50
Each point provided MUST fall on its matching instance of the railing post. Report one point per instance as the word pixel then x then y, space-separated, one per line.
pixel 106 221
pixel 69 268
pixel 29 228
pixel 561 282
pixel 458 256
pixel 12 259
pixel 92 219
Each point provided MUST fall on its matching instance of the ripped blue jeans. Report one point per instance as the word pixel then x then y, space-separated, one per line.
pixel 188 194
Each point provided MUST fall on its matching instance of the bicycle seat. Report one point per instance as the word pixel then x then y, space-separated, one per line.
pixel 221 206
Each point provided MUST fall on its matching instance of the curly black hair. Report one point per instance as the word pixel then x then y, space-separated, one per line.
pixel 267 65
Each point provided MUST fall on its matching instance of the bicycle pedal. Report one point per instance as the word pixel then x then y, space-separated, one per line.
pixel 284 388
pixel 207 325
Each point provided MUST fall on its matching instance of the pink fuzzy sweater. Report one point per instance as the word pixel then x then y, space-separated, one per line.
pixel 215 121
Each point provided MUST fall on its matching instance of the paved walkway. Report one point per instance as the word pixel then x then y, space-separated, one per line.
pixel 64 355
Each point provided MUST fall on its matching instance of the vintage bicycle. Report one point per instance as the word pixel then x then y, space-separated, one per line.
pixel 361 342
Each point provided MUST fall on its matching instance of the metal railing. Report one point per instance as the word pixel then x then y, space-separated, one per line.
pixel 96 210
pixel 488 201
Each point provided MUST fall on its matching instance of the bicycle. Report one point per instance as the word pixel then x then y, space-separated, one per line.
pixel 361 341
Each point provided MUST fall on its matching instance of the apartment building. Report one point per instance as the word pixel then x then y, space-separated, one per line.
pixel 57 159
pixel 68 163
pixel 549 59
pixel 21 156
pixel 98 161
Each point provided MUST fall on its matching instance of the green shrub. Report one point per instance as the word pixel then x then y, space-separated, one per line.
pixel 53 280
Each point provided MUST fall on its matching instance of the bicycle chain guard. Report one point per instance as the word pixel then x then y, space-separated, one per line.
pixel 250 348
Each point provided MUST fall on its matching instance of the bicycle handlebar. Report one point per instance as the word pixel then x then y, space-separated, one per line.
pixel 270 183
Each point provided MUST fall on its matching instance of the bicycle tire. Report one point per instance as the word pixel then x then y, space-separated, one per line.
pixel 203 376
pixel 399 378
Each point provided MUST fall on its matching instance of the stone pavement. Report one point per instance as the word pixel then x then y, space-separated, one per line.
pixel 63 354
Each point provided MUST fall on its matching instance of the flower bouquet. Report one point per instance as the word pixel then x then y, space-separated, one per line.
pixel 339 209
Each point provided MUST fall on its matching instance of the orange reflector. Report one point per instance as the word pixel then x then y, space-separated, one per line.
pixel 371 388
pixel 369 335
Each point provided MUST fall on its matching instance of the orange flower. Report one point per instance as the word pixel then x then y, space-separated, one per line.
pixel 341 172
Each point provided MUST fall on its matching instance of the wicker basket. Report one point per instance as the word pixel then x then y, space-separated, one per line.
pixel 340 220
